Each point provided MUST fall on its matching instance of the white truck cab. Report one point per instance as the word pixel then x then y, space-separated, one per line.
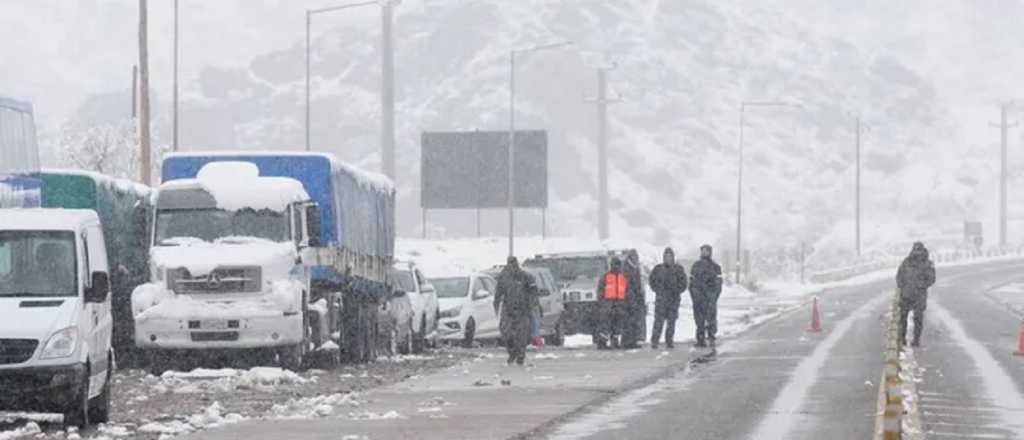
pixel 55 321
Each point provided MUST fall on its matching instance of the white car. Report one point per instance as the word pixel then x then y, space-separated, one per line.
pixel 55 321
pixel 408 278
pixel 467 307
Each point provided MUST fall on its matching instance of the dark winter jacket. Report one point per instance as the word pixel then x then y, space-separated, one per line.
pixel 668 281
pixel 635 288
pixel 915 276
pixel 516 297
pixel 705 281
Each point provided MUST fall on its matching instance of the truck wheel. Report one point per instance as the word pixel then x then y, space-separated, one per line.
pixel 77 412
pixel 290 358
pixel 405 346
pixel 99 408
pixel 419 342
pixel 555 339
pixel 470 334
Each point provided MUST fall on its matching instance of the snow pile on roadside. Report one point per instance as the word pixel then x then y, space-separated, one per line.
pixel 313 407
pixel 203 380
pixel 30 428
pixel 212 416
pixel 406 358
pixel 366 415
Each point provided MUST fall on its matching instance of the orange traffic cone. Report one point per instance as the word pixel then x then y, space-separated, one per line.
pixel 815 318
pixel 1020 342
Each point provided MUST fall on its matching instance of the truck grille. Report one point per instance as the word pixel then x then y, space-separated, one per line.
pixel 221 280
pixel 16 351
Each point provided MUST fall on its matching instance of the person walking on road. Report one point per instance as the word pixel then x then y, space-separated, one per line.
pixel 916 274
pixel 705 287
pixel 668 281
pixel 635 326
pixel 612 289
pixel 514 301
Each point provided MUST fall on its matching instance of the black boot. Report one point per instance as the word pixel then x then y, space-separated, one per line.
pixel 669 344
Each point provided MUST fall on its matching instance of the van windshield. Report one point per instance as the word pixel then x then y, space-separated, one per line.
pixel 37 263
pixel 212 224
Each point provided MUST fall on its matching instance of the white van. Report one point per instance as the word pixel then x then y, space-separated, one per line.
pixel 55 322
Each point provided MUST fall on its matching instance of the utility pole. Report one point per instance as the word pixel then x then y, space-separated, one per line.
pixel 602 150
pixel 1004 126
pixel 135 92
pixel 145 154
pixel 387 92
pixel 858 187
pixel 174 129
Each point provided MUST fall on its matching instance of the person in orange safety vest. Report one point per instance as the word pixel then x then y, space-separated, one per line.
pixel 612 289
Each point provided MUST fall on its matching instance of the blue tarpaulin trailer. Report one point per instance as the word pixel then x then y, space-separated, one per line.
pixel 357 234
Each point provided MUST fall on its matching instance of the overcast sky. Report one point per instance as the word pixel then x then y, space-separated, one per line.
pixel 56 52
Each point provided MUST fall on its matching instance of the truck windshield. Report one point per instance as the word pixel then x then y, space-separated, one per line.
pixel 567 270
pixel 37 263
pixel 212 224
pixel 457 287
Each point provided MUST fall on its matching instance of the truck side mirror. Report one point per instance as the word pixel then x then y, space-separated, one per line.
pixel 97 293
pixel 313 225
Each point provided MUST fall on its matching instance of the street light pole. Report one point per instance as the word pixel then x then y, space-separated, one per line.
pixel 309 20
pixel 512 135
pixel 739 180
pixel 174 135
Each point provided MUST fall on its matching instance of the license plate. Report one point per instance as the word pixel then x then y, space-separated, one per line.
pixel 213 324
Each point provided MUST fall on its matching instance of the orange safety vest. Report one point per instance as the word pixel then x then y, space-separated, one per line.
pixel 615 286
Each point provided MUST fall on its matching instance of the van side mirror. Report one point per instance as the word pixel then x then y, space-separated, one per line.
pixel 313 225
pixel 481 294
pixel 398 294
pixel 97 293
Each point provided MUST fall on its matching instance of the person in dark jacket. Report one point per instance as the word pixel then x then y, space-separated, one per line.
pixel 635 326
pixel 705 287
pixel 514 300
pixel 916 274
pixel 668 281
pixel 612 289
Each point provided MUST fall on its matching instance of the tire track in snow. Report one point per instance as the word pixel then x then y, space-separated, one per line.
pixel 780 418
pixel 998 385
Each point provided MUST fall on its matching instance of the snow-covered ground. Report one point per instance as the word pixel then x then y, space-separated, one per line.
pixel 180 402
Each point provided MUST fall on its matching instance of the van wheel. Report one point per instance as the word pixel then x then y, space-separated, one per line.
pixel 470 334
pixel 77 412
pixel 99 408
pixel 406 343
pixel 419 341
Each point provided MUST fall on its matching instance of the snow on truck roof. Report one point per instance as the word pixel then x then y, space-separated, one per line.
pixel 104 180
pixel 238 185
pixel 45 219
pixel 376 181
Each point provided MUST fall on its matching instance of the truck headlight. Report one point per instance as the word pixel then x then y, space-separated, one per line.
pixel 452 312
pixel 62 344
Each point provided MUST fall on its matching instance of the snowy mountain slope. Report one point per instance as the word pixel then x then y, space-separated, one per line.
pixel 683 69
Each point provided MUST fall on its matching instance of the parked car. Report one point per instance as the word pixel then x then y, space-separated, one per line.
pixel 408 278
pixel 395 324
pixel 467 307
pixel 551 303
pixel 55 319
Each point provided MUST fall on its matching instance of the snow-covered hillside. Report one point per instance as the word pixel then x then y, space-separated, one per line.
pixel 683 69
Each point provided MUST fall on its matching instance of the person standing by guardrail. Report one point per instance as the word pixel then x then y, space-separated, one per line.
pixel 705 288
pixel 915 275
pixel 668 281
pixel 635 325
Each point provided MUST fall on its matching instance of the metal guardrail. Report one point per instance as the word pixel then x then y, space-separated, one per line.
pixel 944 257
